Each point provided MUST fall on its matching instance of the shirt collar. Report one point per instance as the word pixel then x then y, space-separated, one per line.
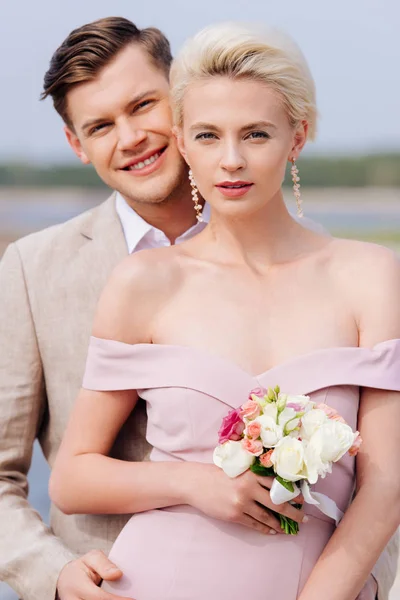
pixel 135 228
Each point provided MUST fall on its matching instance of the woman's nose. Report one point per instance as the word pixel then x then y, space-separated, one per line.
pixel 232 159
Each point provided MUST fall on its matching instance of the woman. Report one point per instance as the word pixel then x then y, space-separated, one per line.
pixel 190 327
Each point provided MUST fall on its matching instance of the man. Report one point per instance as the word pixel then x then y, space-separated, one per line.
pixel 109 83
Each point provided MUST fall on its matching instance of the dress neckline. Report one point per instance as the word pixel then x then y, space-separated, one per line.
pixel 207 354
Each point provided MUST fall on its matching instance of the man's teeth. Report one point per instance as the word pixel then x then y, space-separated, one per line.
pixel 146 162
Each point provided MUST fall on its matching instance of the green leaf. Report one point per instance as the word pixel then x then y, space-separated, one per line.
pixel 259 469
pixel 286 484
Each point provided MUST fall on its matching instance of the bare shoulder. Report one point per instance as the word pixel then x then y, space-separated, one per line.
pixel 371 275
pixel 367 260
pixel 135 293
pixel 147 270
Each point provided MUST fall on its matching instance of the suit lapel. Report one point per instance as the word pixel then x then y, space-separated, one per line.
pixel 100 246
pixel 107 245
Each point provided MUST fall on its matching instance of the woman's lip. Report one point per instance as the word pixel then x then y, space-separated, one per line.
pixel 229 183
pixel 234 192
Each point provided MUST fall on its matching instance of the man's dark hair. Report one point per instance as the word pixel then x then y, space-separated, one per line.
pixel 88 49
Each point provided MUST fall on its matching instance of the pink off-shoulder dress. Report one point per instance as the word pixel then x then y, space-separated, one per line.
pixel 178 553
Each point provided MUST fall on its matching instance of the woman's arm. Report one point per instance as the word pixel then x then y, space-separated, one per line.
pixel 374 515
pixel 84 479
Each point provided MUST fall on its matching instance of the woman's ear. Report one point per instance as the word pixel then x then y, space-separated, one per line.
pixel 299 139
pixel 178 133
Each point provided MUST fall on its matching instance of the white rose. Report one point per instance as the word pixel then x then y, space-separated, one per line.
pixel 332 440
pixel 311 422
pixel 271 432
pixel 232 458
pixel 288 459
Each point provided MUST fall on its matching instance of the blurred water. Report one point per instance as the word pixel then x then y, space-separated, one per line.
pixel 343 210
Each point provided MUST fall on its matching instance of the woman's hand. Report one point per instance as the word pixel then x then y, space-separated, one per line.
pixel 244 499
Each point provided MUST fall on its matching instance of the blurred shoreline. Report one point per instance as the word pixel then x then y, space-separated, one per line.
pixel 368 213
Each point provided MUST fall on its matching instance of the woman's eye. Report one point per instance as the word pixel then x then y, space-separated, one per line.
pixel 259 135
pixel 205 136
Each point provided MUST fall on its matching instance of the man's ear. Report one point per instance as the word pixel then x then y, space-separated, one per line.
pixel 178 133
pixel 75 144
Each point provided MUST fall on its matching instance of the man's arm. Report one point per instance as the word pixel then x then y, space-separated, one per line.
pixel 31 558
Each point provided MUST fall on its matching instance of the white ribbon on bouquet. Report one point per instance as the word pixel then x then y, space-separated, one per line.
pixel 279 494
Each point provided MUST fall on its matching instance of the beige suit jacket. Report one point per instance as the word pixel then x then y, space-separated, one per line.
pixel 49 286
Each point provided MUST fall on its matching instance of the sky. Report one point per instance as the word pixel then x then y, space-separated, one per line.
pixel 351 47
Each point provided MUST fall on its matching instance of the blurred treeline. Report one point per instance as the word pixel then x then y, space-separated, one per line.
pixel 381 170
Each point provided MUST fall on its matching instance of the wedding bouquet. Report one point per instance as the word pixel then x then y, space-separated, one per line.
pixel 290 438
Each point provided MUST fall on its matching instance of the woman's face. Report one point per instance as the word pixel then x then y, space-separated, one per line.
pixel 237 139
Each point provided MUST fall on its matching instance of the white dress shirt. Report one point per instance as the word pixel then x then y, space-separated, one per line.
pixel 140 235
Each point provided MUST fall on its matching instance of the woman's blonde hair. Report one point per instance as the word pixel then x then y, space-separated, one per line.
pixel 247 52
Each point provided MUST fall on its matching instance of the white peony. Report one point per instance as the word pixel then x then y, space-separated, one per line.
pixel 333 439
pixel 311 422
pixel 232 458
pixel 271 433
pixel 288 459
pixel 315 466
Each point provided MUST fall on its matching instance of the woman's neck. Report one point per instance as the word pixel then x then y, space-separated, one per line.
pixel 261 239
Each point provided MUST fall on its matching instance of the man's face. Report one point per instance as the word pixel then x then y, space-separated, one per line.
pixel 122 125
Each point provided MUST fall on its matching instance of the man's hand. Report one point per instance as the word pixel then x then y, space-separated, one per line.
pixel 80 578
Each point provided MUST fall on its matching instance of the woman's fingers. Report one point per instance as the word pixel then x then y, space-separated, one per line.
pixel 252 523
pixel 286 509
pixel 263 515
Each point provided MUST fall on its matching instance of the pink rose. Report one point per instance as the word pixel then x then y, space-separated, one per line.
pixel 356 444
pixel 253 446
pixel 265 459
pixel 338 418
pixel 330 412
pixel 232 427
pixel 259 392
pixel 253 429
pixel 250 410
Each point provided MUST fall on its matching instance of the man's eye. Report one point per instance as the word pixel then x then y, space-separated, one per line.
pixel 259 135
pixel 205 136
pixel 98 128
pixel 143 104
